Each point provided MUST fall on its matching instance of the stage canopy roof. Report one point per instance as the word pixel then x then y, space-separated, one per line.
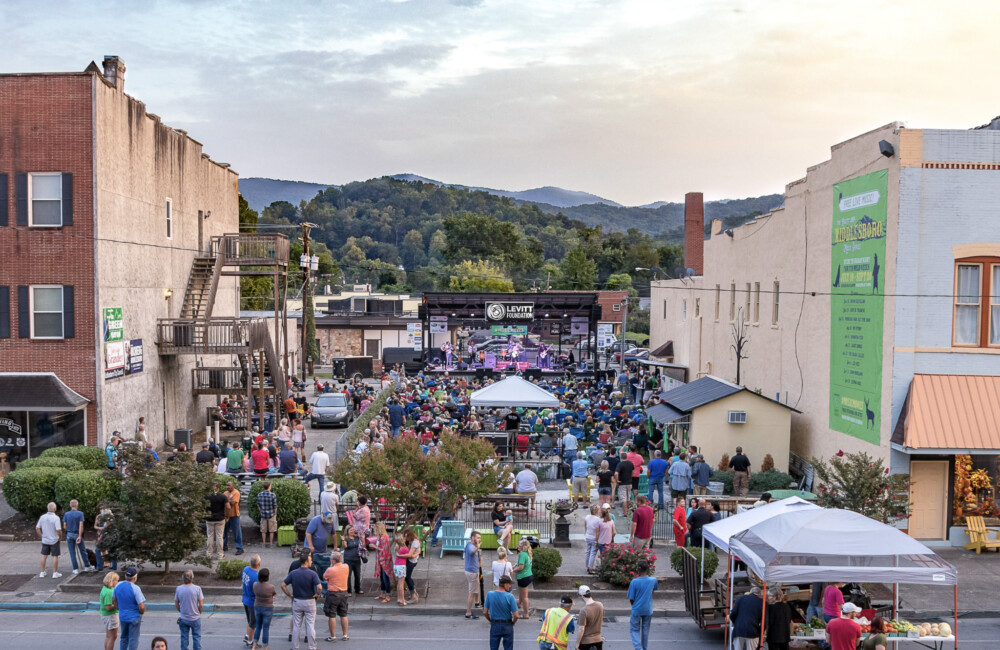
pixel 513 391
pixel 831 545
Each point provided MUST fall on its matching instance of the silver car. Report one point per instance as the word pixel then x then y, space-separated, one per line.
pixel 332 409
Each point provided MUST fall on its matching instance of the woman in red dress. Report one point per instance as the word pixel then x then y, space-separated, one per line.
pixel 680 522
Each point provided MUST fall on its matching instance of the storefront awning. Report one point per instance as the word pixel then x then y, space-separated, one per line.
pixel 665 350
pixel 37 391
pixel 949 414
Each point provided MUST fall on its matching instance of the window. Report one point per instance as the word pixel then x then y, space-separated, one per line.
pixel 170 223
pixel 774 304
pixel 664 308
pixel 718 298
pixel 46 312
pixel 732 301
pixel 45 199
pixel 697 307
pixel 746 306
pixel 977 302
pixel 616 307
pixel 756 302
pixel 684 310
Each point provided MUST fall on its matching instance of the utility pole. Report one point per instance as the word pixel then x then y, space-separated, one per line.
pixel 305 262
pixel 624 327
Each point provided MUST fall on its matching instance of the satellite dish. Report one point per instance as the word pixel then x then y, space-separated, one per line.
pixel 689 272
pixel 679 271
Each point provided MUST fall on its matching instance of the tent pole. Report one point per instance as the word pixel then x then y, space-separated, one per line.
pixel 702 560
pixel 763 612
pixel 895 599
pixel 955 631
pixel 729 593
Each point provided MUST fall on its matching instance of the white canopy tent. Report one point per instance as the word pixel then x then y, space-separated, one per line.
pixel 719 532
pixel 513 391
pixel 831 545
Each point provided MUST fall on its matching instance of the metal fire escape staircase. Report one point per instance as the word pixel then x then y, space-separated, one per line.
pixel 257 371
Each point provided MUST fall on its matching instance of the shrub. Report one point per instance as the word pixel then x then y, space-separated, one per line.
pixel 724 463
pixel 90 487
pixel 711 560
pixel 294 501
pixel 767 464
pixel 863 484
pixel 67 464
pixel 29 491
pixel 353 433
pixel 545 563
pixel 89 457
pixel 619 563
pixel 726 478
pixel 230 569
pixel 767 481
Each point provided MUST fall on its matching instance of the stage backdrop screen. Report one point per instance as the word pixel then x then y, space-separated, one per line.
pixel 856 305
pixel 510 311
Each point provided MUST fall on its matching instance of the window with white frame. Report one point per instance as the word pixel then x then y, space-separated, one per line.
pixel 170 222
pixel 47 312
pixel 756 302
pixel 684 310
pixel 775 296
pixel 718 298
pixel 732 301
pixel 45 199
pixel 616 307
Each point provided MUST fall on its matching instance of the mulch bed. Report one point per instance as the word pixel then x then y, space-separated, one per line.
pixel 13 582
pixel 22 529
pixel 155 577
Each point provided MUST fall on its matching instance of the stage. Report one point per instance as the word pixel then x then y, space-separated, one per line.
pixel 479 372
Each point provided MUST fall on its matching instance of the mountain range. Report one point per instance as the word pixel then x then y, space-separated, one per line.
pixel 593 210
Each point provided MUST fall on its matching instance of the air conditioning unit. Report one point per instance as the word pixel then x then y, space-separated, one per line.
pixel 737 417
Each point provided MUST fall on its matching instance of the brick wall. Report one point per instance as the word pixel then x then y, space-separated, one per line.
pixel 46 125
pixel 694 231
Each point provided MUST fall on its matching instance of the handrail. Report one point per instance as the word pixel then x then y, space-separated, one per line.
pixel 251 249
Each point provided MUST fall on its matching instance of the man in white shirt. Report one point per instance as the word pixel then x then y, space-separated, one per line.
pixel 49 528
pixel 329 499
pixel 527 484
pixel 319 460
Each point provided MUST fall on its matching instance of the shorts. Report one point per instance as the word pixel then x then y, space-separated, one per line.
pixel 269 525
pixel 597 645
pixel 51 549
pixel 251 619
pixel 635 482
pixel 624 492
pixel 335 604
pixel 110 621
pixel 604 492
pixel 472 578
pixel 298 445
pixel 399 570
pixel 260 472
pixel 526 581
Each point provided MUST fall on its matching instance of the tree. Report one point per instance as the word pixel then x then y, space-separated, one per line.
pixel 863 484
pixel 157 517
pixel 741 340
pixel 403 475
pixel 638 321
pixel 412 250
pixel 578 271
pixel 671 258
pixel 281 212
pixel 620 282
pixel 255 290
pixel 478 277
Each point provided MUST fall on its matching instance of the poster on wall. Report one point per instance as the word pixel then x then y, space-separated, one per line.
pixel 605 334
pixel 414 336
pixel 856 305
pixel 438 328
pixel 133 352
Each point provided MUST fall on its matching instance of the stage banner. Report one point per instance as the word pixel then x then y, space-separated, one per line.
pixel 438 327
pixel 510 311
pixel 508 330
pixel 414 336
pixel 857 304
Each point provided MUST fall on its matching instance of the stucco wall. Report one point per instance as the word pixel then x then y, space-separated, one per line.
pixel 789 360
pixel 140 163
pixel 765 432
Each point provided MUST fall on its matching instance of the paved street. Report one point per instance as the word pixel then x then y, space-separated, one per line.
pixel 64 630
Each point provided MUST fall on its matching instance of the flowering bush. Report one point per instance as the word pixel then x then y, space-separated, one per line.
pixel 620 563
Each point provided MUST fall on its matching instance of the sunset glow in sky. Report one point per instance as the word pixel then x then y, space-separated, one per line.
pixel 633 100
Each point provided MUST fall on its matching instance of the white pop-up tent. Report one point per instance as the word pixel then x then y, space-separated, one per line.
pixel 719 532
pixel 830 545
pixel 511 392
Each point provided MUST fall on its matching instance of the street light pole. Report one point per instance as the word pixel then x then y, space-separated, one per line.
pixel 624 327
pixel 306 263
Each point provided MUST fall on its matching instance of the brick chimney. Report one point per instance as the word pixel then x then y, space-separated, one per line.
pixel 694 231
pixel 114 71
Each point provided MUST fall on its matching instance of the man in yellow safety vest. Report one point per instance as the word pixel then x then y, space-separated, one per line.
pixel 557 624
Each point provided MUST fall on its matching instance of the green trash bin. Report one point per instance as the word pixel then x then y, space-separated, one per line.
pixel 644 483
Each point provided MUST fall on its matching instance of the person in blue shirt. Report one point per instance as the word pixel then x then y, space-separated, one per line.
pixel 500 609
pixel 580 481
pixel 680 477
pixel 249 577
pixel 73 524
pixel 657 474
pixel 111 450
pixel 131 605
pixel 701 473
pixel 396 415
pixel 472 567
pixel 640 594
pixel 747 615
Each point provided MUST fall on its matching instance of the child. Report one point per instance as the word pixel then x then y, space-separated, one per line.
pixel 501 567
pixel 400 551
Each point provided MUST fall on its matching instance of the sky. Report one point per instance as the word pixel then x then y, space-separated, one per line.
pixel 633 100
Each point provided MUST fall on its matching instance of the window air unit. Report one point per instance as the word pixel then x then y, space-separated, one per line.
pixel 737 417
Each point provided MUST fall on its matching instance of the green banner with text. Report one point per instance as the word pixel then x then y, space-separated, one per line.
pixel 857 304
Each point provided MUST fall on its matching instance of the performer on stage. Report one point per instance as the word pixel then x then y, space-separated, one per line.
pixel 446 348
pixel 514 350
pixel 543 356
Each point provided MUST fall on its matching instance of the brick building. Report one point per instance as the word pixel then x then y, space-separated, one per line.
pixel 103 208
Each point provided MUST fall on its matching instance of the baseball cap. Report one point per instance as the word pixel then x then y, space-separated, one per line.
pixel 584 590
pixel 850 608
pixel 566 600
pixel 131 571
pixel 606 506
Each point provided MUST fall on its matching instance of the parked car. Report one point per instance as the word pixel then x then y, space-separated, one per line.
pixel 629 350
pixel 332 409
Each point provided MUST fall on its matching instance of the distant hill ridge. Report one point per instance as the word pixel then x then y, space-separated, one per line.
pixel 593 210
